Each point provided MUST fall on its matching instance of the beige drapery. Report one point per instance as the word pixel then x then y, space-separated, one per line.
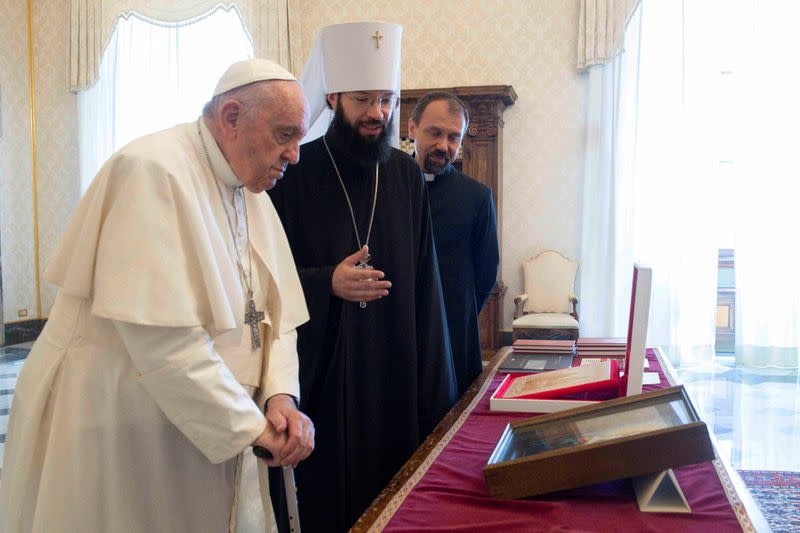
pixel 601 30
pixel 92 23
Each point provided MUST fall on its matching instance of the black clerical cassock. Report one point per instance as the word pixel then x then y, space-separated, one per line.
pixel 465 230
pixel 374 380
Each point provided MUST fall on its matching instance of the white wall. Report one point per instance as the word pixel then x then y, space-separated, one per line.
pixel 56 131
pixel 58 180
pixel 16 197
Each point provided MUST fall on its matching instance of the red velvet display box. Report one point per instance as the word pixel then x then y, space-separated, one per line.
pixel 555 400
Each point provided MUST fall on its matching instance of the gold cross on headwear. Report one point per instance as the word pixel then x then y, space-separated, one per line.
pixel 377 36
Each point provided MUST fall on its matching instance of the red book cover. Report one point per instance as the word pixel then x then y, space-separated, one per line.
pixel 538 343
pixel 541 350
pixel 594 350
pixel 601 341
pixel 603 348
pixel 559 383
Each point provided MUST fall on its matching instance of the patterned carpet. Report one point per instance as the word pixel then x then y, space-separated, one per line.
pixel 778 495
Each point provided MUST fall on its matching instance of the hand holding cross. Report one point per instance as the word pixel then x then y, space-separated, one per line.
pixel 356 281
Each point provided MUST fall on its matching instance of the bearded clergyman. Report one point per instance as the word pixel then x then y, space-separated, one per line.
pixel 375 361
pixel 464 226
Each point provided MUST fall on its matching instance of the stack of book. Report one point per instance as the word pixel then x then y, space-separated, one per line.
pixel 543 347
pixel 600 347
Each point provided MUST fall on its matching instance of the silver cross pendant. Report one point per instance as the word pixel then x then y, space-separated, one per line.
pixel 364 265
pixel 252 317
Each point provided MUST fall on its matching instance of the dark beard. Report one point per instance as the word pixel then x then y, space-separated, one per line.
pixel 364 150
pixel 435 168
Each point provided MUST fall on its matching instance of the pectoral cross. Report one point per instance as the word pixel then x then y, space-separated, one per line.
pixel 377 36
pixel 252 318
pixel 363 264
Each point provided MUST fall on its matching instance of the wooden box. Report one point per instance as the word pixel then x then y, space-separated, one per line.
pixel 615 439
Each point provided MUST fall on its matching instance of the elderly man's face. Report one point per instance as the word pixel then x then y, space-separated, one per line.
pixel 268 137
pixel 437 137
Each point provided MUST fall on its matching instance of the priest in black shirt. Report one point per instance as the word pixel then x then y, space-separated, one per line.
pixel 376 370
pixel 464 226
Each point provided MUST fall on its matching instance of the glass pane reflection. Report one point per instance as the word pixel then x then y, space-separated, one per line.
pixel 626 421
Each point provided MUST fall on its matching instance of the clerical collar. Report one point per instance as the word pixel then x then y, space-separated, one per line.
pixel 432 177
pixel 219 166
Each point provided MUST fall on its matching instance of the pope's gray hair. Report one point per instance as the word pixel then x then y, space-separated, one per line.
pixel 249 96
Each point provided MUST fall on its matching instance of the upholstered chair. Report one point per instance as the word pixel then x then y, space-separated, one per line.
pixel 548 309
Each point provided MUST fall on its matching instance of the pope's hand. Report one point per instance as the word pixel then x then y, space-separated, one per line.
pixel 356 284
pixel 273 441
pixel 297 429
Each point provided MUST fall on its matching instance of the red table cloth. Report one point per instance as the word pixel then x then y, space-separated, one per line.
pixel 447 492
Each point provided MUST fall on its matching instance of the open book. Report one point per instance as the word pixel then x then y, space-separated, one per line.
pixel 557 383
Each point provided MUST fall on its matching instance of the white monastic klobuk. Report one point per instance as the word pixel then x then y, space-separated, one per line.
pixel 355 56
pixel 113 407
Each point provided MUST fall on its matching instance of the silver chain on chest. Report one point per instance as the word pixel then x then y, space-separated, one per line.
pixel 364 263
pixel 251 315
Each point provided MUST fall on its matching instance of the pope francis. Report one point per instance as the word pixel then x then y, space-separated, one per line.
pixel 171 347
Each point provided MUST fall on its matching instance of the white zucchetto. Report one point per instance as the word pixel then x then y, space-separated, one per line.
pixel 250 71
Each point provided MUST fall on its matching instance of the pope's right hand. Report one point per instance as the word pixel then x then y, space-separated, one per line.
pixel 358 285
pixel 272 441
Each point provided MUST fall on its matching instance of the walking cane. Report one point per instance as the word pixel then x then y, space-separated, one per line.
pixel 289 488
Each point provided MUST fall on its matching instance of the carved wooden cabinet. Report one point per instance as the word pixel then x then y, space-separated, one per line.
pixel 481 158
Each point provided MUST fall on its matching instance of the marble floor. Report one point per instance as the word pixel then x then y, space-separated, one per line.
pixel 11 359
pixel 753 413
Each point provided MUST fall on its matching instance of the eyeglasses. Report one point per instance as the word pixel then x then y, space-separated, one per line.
pixel 363 101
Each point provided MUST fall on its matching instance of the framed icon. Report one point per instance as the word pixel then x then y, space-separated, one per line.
pixel 620 438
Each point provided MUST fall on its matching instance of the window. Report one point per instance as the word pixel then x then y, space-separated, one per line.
pixel 154 75
pixel 714 176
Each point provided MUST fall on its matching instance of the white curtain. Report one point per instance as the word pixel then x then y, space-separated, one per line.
pixel 658 194
pixel 92 23
pixel 601 312
pixel 154 75
pixel 605 249
pixel 612 74
pixel 607 255
pixel 698 156
pixel 96 119
pixel 673 179
pixel 768 183
pixel 601 29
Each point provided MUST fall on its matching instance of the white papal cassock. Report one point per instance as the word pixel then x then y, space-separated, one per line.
pixel 135 405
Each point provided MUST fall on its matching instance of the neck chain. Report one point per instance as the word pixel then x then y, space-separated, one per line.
pixel 251 316
pixel 364 263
